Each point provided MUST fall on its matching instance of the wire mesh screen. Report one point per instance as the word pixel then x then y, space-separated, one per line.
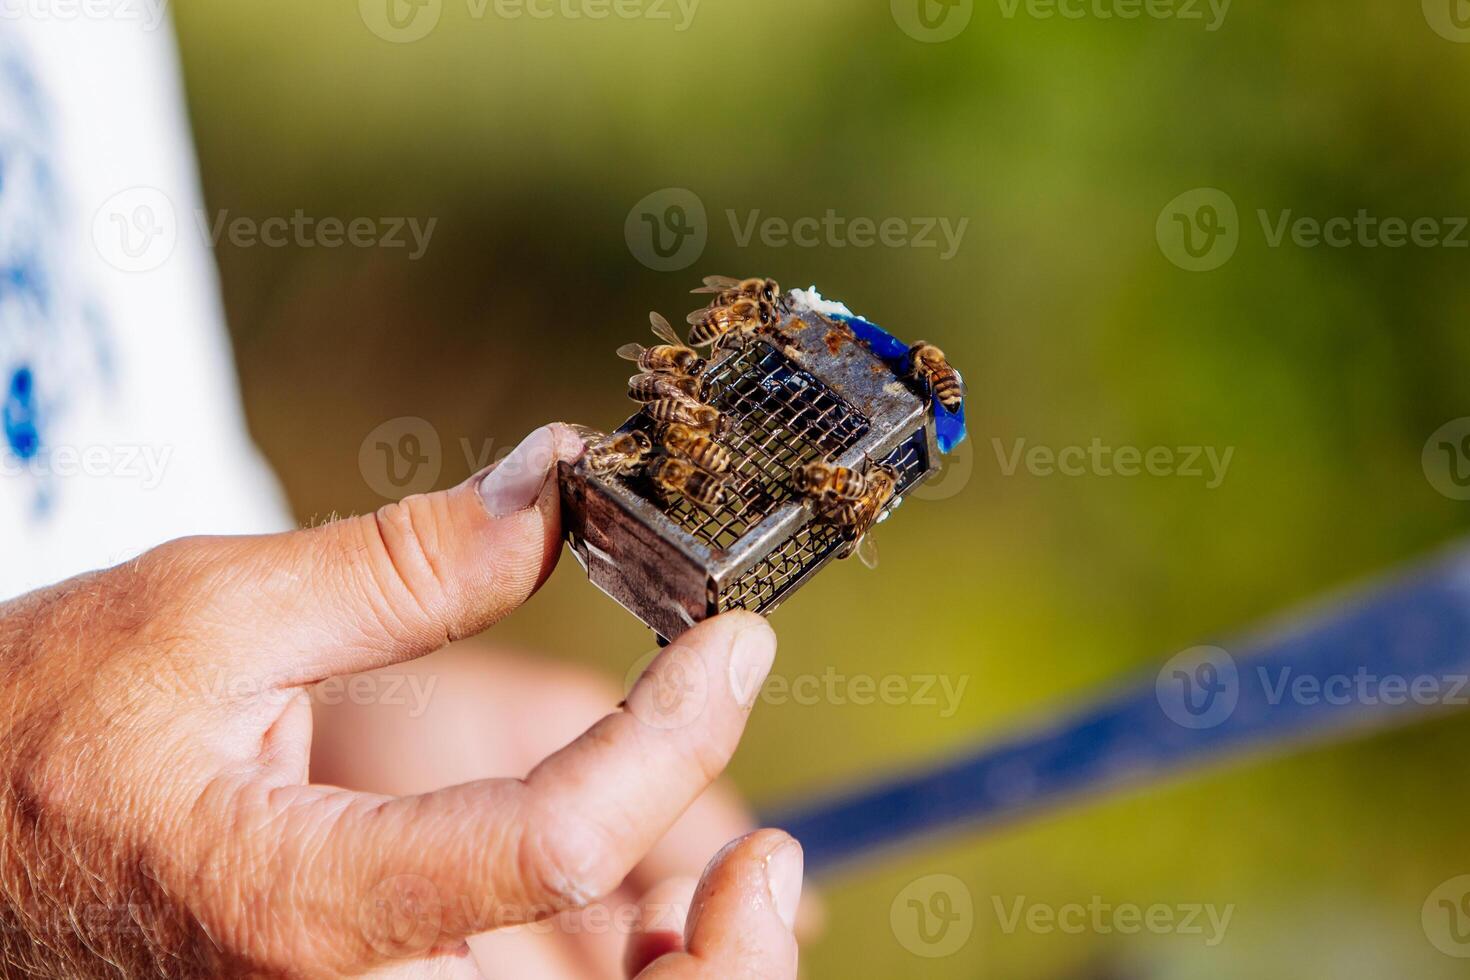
pixel 782 418
pixel 769 579
pixel 911 460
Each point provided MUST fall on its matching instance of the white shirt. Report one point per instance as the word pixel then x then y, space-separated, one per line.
pixel 120 424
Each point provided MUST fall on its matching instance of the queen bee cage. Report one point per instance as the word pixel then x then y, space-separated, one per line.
pixel 812 392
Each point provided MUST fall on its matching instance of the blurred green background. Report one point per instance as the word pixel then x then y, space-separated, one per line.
pixel 1061 141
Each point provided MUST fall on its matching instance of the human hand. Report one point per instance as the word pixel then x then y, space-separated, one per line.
pixel 155 816
pixel 478 710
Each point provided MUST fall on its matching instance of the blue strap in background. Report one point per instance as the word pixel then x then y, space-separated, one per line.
pixel 1381 657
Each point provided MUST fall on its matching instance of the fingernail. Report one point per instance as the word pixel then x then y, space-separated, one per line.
pixel 783 878
pixel 516 481
pixel 750 662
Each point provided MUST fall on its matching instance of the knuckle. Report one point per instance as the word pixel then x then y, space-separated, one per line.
pixel 514 569
pixel 566 863
pixel 403 540
pixel 710 757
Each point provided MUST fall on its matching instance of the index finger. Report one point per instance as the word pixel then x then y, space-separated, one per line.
pixel 504 852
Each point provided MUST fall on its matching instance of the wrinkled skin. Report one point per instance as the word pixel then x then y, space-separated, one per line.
pixel 157 818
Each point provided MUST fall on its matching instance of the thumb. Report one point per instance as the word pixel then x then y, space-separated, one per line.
pixel 741 917
pixel 367 591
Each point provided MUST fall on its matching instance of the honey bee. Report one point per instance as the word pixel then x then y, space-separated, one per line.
pixel 930 365
pixel 679 476
pixel 652 386
pixel 616 455
pixel 695 446
pixel 670 357
pixel 857 518
pixel 740 320
pixel 705 418
pixel 828 485
pixel 728 290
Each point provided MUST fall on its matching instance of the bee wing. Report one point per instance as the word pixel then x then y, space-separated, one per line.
pixel 696 318
pixel 867 551
pixel 631 352
pixel 587 435
pixel 663 331
pixel 717 284
pixel 663 383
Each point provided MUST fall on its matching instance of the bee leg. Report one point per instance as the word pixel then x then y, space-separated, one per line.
pixel 784 339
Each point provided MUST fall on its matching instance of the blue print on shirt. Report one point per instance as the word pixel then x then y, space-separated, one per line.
pixel 54 349
pixel 20 415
